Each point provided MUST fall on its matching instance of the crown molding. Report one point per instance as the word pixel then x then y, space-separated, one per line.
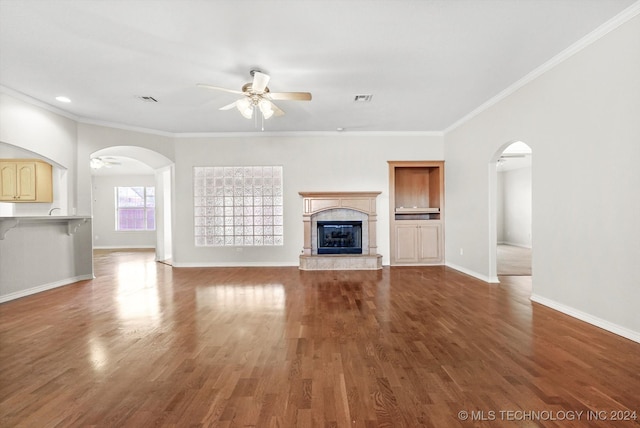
pixel 310 134
pixel 615 22
pixel 79 119
pixel 30 100
pixel 88 121
pixel 124 127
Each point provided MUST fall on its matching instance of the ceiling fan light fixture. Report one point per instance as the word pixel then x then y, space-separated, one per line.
pixel 245 107
pixel 266 108
pixel 96 163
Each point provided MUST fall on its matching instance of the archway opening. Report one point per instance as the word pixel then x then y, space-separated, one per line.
pixel 511 210
pixel 142 220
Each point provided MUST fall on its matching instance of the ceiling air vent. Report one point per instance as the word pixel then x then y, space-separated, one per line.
pixel 362 98
pixel 147 99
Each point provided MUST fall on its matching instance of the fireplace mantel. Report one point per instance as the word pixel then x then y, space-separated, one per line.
pixel 320 201
pixel 315 202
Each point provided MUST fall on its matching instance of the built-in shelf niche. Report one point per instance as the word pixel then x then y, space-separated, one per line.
pixel 417 190
pixel 416 202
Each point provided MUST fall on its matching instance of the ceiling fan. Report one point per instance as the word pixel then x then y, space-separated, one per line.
pixel 257 95
pixel 101 162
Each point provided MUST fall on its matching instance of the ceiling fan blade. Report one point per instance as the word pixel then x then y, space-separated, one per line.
pixel 289 96
pixel 228 106
pixel 514 155
pixel 277 111
pixel 260 81
pixel 217 88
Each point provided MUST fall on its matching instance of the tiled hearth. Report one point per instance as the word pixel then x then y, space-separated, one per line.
pixel 346 205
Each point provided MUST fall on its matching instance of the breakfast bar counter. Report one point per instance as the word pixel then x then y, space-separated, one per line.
pixel 38 253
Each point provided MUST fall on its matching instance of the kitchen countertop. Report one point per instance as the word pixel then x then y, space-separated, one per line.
pixel 44 217
pixel 72 221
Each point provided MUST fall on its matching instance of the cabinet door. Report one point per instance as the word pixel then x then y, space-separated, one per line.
pixel 8 183
pixel 430 243
pixel 406 241
pixel 26 173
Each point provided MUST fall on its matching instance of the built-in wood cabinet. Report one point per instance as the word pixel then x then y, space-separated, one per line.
pixel 418 243
pixel 416 202
pixel 25 180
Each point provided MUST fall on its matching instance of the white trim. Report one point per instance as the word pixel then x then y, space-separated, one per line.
pixel 590 319
pixel 513 244
pixel 474 274
pixel 123 247
pixel 44 287
pixel 27 99
pixel 310 134
pixel 581 44
pixel 233 264
pixel 124 127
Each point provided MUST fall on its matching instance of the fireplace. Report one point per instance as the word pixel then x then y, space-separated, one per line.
pixel 339 237
pixel 339 231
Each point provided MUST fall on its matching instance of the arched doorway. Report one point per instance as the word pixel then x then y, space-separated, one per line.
pixel 121 166
pixel 510 176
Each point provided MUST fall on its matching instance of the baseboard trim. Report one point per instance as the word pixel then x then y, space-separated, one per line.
pixel 123 247
pixel 44 287
pixel 485 278
pixel 588 318
pixel 233 264
pixel 513 244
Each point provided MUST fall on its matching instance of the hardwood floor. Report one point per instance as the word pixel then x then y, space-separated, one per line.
pixel 512 260
pixel 147 345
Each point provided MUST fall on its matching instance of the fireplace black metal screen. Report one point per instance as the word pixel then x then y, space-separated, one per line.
pixel 339 237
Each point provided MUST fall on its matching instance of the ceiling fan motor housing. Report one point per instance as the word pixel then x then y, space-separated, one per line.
pixel 247 87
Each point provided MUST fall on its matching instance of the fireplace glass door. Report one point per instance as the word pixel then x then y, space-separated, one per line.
pixel 339 237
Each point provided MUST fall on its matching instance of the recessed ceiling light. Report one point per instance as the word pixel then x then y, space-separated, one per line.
pixel 63 99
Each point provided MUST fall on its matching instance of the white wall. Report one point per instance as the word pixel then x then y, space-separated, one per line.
pixel 92 138
pixel 164 207
pixel 42 255
pixel 39 130
pixel 516 207
pixel 500 208
pixel 340 163
pixel 581 120
pixel 27 130
pixel 104 233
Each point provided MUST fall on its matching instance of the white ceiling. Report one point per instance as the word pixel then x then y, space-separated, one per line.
pixel 427 63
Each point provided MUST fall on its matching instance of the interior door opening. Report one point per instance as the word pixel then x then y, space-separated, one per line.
pixel 511 244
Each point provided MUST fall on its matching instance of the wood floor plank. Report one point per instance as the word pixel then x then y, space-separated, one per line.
pixel 145 344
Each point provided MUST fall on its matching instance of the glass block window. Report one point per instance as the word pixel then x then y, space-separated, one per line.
pixel 238 206
pixel 135 208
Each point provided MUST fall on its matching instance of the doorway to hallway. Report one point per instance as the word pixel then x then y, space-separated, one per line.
pixel 513 210
pixel 513 261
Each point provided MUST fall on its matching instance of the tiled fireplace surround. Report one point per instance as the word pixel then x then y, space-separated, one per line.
pixel 340 206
